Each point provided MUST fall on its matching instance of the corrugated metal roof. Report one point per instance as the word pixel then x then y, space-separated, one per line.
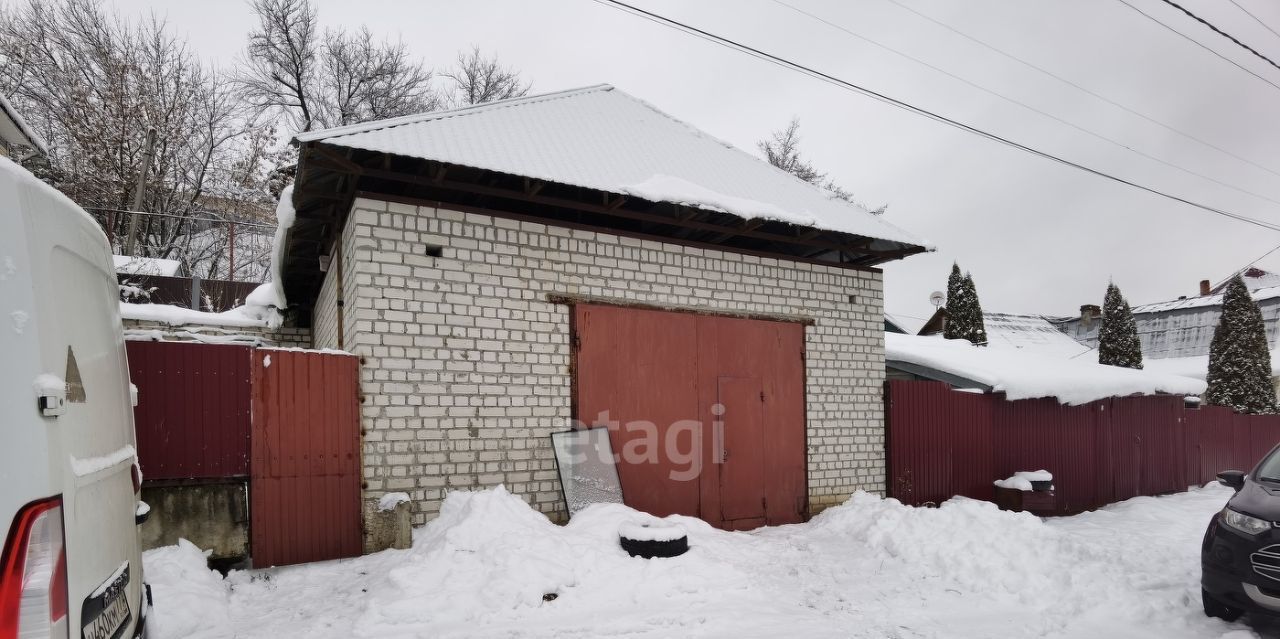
pixel 1032 333
pixel 601 138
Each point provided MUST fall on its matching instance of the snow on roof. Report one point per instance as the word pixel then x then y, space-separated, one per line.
pixel 1029 333
pixel 601 138
pixel 146 266
pixel 14 129
pixel 1024 375
pixel 248 316
pixel 1264 293
pixel 1254 278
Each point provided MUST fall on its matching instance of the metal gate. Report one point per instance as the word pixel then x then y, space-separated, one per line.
pixel 304 489
pixel 706 413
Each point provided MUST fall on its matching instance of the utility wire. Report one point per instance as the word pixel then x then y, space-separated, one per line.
pixel 1084 89
pixel 1024 105
pixel 1200 44
pixel 1221 32
pixel 793 66
pixel 1255 18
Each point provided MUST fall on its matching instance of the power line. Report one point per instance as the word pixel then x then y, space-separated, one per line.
pixel 1255 18
pixel 1025 105
pixel 1084 89
pixel 793 66
pixel 1221 32
pixel 1199 44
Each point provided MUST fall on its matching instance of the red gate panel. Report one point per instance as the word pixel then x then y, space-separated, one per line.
pixel 192 417
pixel 304 489
pixel 660 377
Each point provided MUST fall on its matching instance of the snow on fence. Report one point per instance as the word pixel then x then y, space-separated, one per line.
pixel 943 443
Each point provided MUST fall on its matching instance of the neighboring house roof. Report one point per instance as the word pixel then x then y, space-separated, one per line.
pixel 1254 278
pixel 1180 328
pixel 14 130
pixel 902 323
pixel 146 266
pixel 1026 374
pixel 1030 333
pixel 601 138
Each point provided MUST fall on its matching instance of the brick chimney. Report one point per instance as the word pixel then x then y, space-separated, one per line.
pixel 1204 287
pixel 1088 313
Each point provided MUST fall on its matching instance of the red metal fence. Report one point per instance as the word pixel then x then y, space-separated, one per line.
pixel 944 443
pixel 192 418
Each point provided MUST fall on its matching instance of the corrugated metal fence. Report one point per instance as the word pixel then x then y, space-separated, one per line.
pixel 285 421
pixel 192 417
pixel 944 443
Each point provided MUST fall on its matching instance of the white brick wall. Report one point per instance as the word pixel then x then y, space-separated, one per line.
pixel 466 363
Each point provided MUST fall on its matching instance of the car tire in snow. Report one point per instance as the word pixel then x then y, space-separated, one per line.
pixel 1215 608
pixel 653 539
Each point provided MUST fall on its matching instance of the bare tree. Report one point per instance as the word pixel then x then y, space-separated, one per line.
pixel 92 85
pixel 478 79
pixel 783 151
pixel 318 80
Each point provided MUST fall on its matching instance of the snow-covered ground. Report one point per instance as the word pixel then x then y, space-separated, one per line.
pixel 868 568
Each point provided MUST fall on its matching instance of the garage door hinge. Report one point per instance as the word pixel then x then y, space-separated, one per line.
pixel 575 341
pixel 762 396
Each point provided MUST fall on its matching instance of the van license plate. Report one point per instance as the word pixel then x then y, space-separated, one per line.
pixel 105 614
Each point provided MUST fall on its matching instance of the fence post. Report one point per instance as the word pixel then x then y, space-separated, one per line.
pixel 231 263
pixel 195 292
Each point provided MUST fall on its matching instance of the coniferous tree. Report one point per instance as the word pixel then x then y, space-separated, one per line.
pixel 1118 343
pixel 1239 359
pixel 977 325
pixel 954 325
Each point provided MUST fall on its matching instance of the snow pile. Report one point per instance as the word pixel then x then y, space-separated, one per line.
pixel 47 384
pixel 1025 375
pixel 247 316
pixel 272 293
pixel 868 568
pixel 389 501
pixel 1022 480
pixel 135 265
pixel 191 601
pixel 90 465
pixel 650 530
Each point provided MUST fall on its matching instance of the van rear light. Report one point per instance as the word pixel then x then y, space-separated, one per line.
pixel 33 581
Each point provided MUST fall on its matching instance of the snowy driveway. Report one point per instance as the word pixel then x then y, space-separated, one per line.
pixel 869 568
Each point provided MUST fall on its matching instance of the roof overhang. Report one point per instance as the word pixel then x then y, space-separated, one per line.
pixel 330 177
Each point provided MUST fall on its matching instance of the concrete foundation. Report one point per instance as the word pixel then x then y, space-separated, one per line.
pixel 213 516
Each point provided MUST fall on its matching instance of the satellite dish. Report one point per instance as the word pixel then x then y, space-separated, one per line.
pixel 937 298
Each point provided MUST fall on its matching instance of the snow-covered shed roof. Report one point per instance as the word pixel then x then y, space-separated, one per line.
pixel 601 138
pixel 1025 375
pixel 128 265
pixel 14 129
pixel 1032 333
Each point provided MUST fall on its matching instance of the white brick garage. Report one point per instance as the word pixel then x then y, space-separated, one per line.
pixel 448 280
pixel 466 361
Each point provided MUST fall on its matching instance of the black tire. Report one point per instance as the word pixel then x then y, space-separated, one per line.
pixel 1217 609
pixel 650 549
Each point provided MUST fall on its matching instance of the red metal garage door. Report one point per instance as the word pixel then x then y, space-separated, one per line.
pixel 304 490
pixel 706 412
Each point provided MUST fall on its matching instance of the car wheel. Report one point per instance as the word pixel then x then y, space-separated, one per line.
pixel 1215 608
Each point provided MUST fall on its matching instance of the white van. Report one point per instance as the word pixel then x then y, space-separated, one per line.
pixel 71 565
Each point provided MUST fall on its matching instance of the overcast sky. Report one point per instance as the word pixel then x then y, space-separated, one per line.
pixel 1038 237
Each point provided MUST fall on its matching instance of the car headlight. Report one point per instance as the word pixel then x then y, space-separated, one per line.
pixel 1243 522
